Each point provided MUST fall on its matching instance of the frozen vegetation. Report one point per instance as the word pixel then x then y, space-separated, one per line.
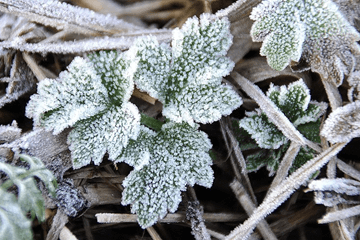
pixel 121 111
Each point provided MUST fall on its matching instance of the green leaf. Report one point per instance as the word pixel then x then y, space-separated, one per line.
pixel 187 77
pixel 178 155
pixel 294 101
pixel 14 225
pixel 29 196
pixel 108 132
pixel 93 97
pixel 77 94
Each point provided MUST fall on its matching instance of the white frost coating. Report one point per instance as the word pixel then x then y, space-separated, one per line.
pixel 84 45
pixel 187 77
pixel 62 15
pixel 284 26
pixel 292 100
pixel 343 124
pixel 137 153
pixel 77 94
pixel 92 96
pixel 339 185
pixel 109 132
pixel 15 225
pixel 178 155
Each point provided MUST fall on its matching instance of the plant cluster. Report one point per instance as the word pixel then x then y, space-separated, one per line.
pixel 92 97
pixel 257 132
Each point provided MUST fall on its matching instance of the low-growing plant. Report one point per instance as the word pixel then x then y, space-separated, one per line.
pixel 19 194
pixel 92 97
pixel 257 132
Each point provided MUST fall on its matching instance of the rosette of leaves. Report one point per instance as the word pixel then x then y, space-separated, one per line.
pixel 14 224
pixel 186 77
pixel 92 97
pixel 288 28
pixel 257 132
pixel 177 156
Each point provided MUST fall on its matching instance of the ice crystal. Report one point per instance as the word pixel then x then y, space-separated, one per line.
pixel 294 101
pixel 343 123
pixel 13 221
pixel 91 96
pixel 187 77
pixel 178 156
pixel 286 27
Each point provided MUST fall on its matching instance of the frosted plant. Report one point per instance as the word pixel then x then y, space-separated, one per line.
pixel 13 209
pixel 257 131
pixel 178 156
pixel 316 27
pixel 343 123
pixel 91 96
pixel 187 77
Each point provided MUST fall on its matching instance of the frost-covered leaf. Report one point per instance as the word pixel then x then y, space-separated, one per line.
pixel 29 196
pixel 178 155
pixel 317 27
pixel 187 77
pixel 77 94
pixel 294 101
pixel 92 96
pixel 343 123
pixel 137 153
pixel 107 132
pixel 14 225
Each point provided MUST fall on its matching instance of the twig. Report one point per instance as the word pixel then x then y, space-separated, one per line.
pixel 66 234
pixel 87 228
pixel 170 218
pixel 154 235
pixel 348 170
pixel 86 45
pixel 144 96
pixel 39 74
pixel 340 214
pixel 246 202
pixel 285 165
pixel 240 160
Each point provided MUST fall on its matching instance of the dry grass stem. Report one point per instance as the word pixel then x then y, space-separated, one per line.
pixel 285 165
pixel 282 192
pixel 154 235
pixel 234 149
pixel 246 202
pixel 268 107
pixel 348 170
pixel 66 234
pixel 35 68
pixel 144 96
pixel 340 214
pixel 170 218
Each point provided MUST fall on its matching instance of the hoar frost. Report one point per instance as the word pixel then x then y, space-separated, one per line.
pixel 91 96
pixel 259 132
pixel 178 156
pixel 187 77
pixel 288 28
